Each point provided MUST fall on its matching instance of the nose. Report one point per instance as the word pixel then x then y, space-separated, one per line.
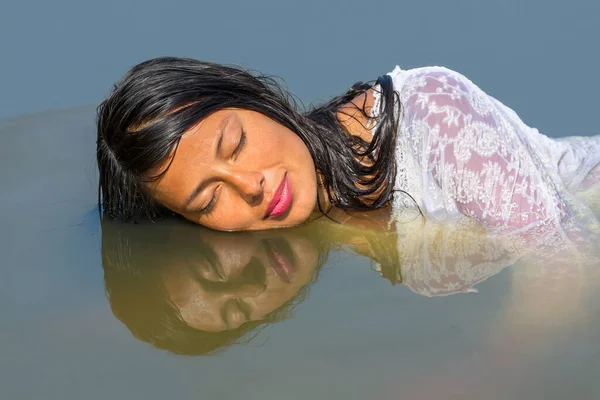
pixel 249 184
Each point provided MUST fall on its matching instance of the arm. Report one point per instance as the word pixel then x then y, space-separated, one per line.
pixel 477 155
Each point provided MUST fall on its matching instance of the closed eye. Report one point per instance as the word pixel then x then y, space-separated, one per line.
pixel 240 145
pixel 211 205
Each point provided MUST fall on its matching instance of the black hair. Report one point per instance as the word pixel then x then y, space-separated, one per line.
pixel 141 122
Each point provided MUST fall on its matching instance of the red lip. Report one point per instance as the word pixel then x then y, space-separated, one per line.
pixel 282 198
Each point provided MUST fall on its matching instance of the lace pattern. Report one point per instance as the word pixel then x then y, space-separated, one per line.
pixel 463 154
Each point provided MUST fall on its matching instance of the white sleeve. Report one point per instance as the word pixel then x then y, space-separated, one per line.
pixel 476 155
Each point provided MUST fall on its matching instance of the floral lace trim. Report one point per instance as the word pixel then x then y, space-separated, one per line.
pixel 475 158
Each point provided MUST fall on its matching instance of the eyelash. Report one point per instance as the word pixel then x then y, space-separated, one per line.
pixel 240 145
pixel 210 206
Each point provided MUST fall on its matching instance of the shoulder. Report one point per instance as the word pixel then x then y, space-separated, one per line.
pixel 354 116
pixel 433 79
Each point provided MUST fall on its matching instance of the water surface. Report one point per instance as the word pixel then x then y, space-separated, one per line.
pixel 355 331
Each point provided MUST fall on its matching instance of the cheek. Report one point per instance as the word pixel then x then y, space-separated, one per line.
pixel 232 213
pixel 303 159
pixel 279 138
pixel 271 148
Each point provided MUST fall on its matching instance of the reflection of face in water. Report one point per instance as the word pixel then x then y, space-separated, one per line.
pixel 190 290
pixel 237 278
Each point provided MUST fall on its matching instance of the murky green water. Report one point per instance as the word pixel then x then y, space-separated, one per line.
pixel 325 320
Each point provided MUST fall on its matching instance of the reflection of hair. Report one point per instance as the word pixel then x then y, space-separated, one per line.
pixel 383 248
pixel 133 258
pixel 143 119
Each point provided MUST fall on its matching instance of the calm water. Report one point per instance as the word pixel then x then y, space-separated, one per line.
pixel 334 324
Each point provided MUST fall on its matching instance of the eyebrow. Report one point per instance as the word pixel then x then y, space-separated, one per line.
pixel 201 185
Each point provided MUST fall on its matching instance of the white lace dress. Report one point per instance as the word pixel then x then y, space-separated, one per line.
pixel 463 154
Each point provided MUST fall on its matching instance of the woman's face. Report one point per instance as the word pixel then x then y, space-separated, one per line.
pixel 241 280
pixel 239 170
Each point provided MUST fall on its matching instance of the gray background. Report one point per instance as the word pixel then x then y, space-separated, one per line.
pixel 538 56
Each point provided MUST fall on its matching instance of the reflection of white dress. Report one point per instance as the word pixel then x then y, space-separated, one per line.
pixel 460 152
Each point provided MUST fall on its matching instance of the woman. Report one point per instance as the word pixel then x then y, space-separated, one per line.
pixel 229 150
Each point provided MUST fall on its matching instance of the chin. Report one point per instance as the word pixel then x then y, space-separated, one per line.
pixel 289 222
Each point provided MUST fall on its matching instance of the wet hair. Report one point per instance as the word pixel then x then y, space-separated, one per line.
pixel 143 119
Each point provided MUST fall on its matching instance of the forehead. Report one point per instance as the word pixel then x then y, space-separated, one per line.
pixel 203 135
